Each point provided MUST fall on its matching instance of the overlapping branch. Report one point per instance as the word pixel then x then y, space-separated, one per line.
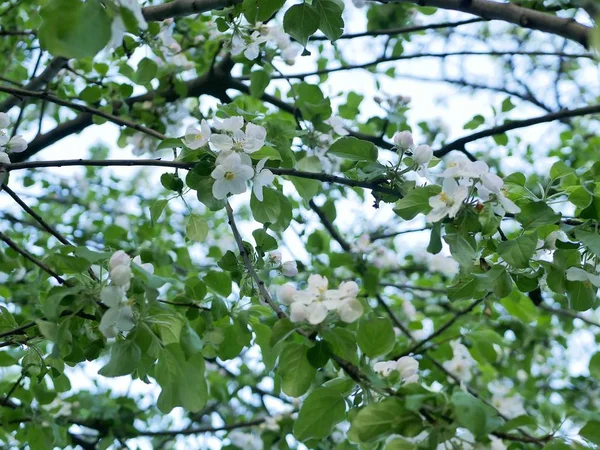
pixel 512 13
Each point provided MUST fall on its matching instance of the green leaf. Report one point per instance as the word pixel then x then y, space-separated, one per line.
pixel 146 71
pixel 589 239
pixel 375 337
pixel 73 29
pixel 331 23
pixel 125 357
pixel 301 22
pixel 535 214
pixel 157 209
pixel 435 239
pixel 591 432
pixel 416 202
pixel 581 295
pixel 171 182
pixel 182 382
pixel 466 289
pixel 320 412
pixel 282 329
pixel 296 372
pixel 260 10
pixel 264 241
pixel 469 412
pixel 381 419
pixel 518 252
pixel 259 80
pixel 462 250
pixel 196 228
pixel 354 149
pixel 269 209
pixel 220 282
pixel 594 366
pixel 91 94
pixel 497 280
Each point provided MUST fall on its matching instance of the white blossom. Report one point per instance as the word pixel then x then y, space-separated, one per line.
pixel 511 407
pixel 245 441
pixel 461 363
pixel 444 264
pixel 289 55
pixel 4 158
pixel 116 319
pixel 249 45
pixel 385 368
pixel 363 243
pixel 403 140
pixel 248 141
pixel 230 177
pixel 337 124
pixel 230 124
pixel 314 303
pixel 275 258
pixel 264 177
pixel 4 120
pixel 195 138
pixel 491 186
pixel 148 267
pixel 16 144
pixel 447 202
pixel 407 366
pixel 285 293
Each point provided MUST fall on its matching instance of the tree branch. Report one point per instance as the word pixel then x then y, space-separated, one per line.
pixel 45 77
pixel 402 30
pixel 178 8
pixel 459 144
pixel 510 12
pixel 423 55
pixel 83 108
pixel 8 241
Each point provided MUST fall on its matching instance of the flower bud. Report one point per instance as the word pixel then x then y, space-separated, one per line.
pixel 407 366
pixel 422 155
pixel 289 268
pixel 403 140
pixel 119 258
pixel 17 144
pixel 4 159
pixel 121 275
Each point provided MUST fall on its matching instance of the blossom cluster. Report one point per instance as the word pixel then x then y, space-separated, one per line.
pixel 119 315
pixel 234 142
pixel 461 179
pixel 461 363
pixel 15 144
pixel 248 42
pixel 287 268
pixel 462 175
pixel 407 366
pixel 317 301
